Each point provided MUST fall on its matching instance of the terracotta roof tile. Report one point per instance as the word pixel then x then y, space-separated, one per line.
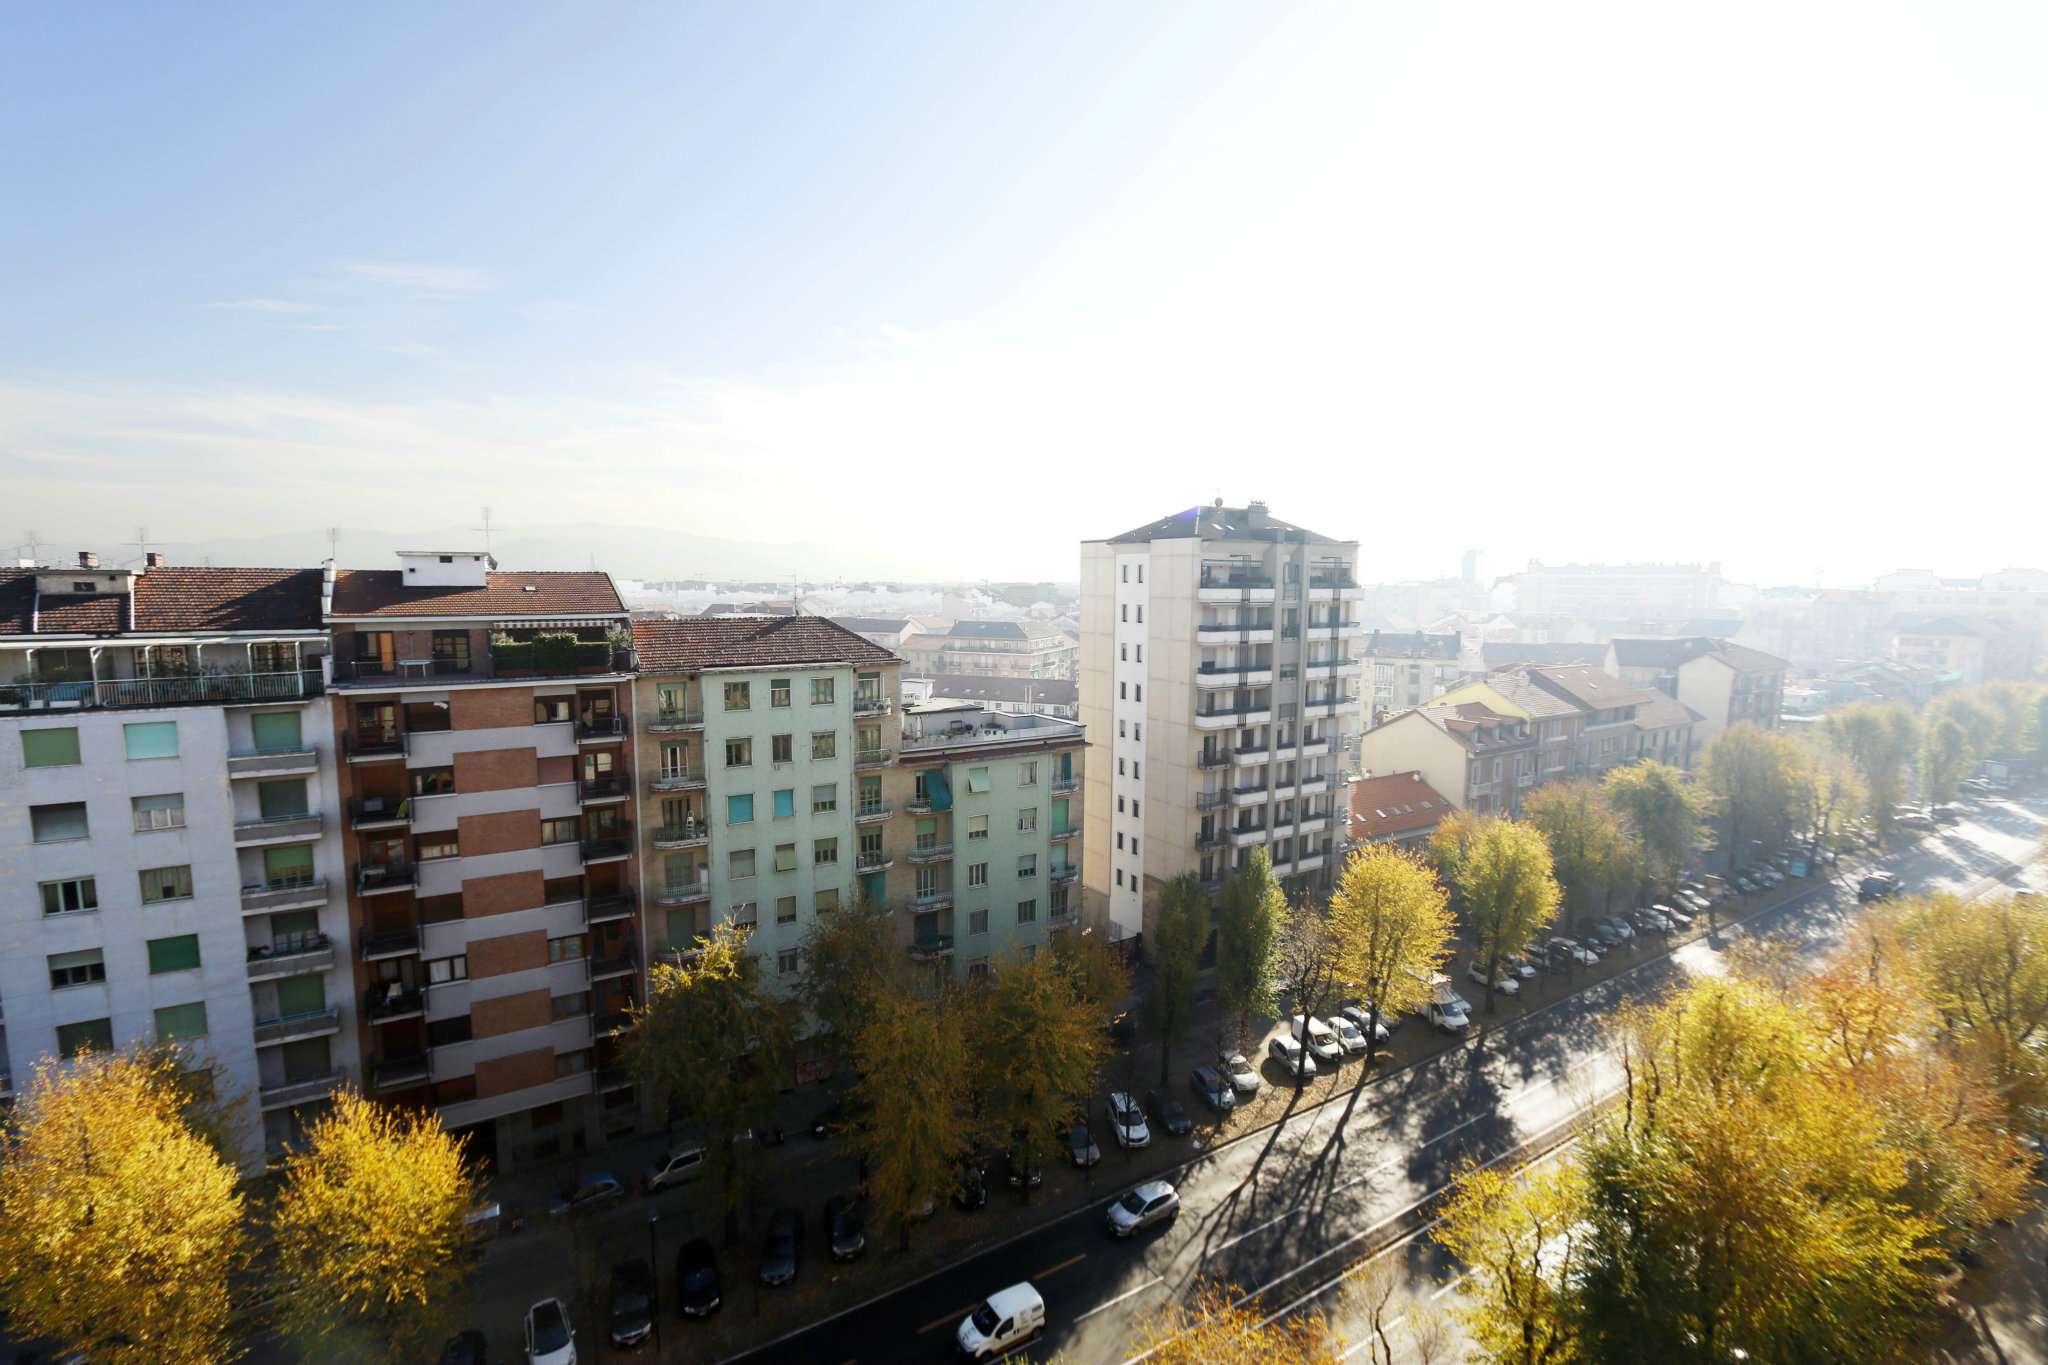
pixel 200 599
pixel 694 643
pixel 1397 803
pixel 381 592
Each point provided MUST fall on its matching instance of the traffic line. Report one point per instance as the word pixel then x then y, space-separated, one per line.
pixel 936 1323
pixel 1132 1292
pixel 1055 1269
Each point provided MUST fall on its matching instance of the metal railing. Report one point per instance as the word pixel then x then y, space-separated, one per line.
pixel 675 779
pixel 870 706
pixel 931 944
pixel 871 862
pixel 280 1027
pixel 682 893
pixel 609 845
pixel 380 1006
pixel 394 1072
pixel 688 832
pixel 371 877
pixel 601 727
pixel 1063 786
pixel 871 758
pixel 619 963
pixel 357 745
pixel 198 689
pixel 600 788
pixel 872 810
pixel 930 852
pixel 378 810
pixel 674 718
pixel 396 943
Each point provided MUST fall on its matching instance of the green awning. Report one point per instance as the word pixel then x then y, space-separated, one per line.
pixel 941 794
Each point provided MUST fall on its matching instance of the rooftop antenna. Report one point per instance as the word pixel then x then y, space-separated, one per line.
pixel 141 543
pixel 334 543
pixel 486 529
pixel 34 545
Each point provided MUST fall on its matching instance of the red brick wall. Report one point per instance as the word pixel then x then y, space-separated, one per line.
pixel 502 893
pixel 490 708
pixel 504 832
pixel 509 1013
pixel 495 770
pixel 508 953
pixel 520 1071
pixel 561 769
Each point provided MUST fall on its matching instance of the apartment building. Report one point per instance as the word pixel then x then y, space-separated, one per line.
pixel 990 802
pixel 487 775
pixel 1407 669
pixel 1952 648
pixel 1060 697
pixel 1481 760
pixel 170 831
pixel 1219 680
pixel 1660 592
pixel 1725 683
pixel 996 649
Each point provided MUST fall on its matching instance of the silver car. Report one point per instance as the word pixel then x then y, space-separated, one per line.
pixel 1150 1205
pixel 1127 1120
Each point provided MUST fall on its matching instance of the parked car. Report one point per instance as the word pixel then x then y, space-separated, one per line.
pixel 697 1278
pixel 1127 1121
pixel 1948 813
pixel 550 1336
pixel 676 1166
pixel 631 1303
pixel 1152 1204
pixel 779 1249
pixel 1081 1148
pixel 845 1227
pixel 1348 1035
pixel 1318 1039
pixel 1606 934
pixel 1519 965
pixel 1005 1319
pixel 1020 1166
pixel 1649 919
pixel 1208 1083
pixel 465 1348
pixel 1294 1059
pixel 1571 952
pixel 1360 1013
pixel 1240 1074
pixel 970 1188
pixel 1502 982
pixel 1676 917
pixel 1170 1112
pixel 596 1188
pixel 1878 886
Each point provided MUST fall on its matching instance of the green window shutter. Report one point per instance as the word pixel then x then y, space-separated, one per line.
pixel 682 928
pixel 291 865
pixel 181 1021
pixel 301 994
pixel 281 799
pixel 276 732
pixel 151 739
pixel 294 922
pixel 97 1034
pixel 1059 816
pixel 49 748
pixel 177 954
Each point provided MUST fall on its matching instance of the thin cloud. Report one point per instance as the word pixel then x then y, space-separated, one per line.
pixel 425 280
pixel 276 306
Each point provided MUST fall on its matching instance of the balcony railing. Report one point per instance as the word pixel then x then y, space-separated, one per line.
pixel 1065 786
pixel 679 836
pixel 199 689
pixel 930 853
pixel 682 893
pixel 604 909
pixel 923 902
pixel 664 719
pixel 1213 758
pixel 1060 836
pixel 871 758
pixel 931 945
pixel 519 659
pixel 274 762
pixel 869 811
pixel 283 894
pixel 620 962
pixel 871 706
pixel 872 862
pixel 396 1073
pixel 613 845
pixel 611 787
pixel 368 812
pixel 675 779
pixel 272 829
pixel 606 1023
pixel 614 1078
pixel 395 943
pixel 384 1006
pixel 1236 580
pixel 284 1028
pixel 373 878
pixel 601 727
pixel 292 955
pixel 1062 875
pixel 286 1093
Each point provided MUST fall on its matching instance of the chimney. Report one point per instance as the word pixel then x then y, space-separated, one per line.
pixel 88 560
pixel 154 559
pixel 1255 515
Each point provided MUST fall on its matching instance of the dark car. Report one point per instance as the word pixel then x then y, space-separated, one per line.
pixel 465 1348
pixel 1216 1092
pixel 1171 1113
pixel 593 1190
pixel 1022 1170
pixel 632 1303
pixel 845 1226
pixel 970 1188
pixel 779 1249
pixel 1081 1147
pixel 697 1278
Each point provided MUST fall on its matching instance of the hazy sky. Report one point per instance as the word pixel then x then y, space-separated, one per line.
pixel 1763 283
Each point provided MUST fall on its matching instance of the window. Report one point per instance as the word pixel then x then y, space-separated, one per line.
pixel 151 739
pixel 824 744
pixel 977 972
pixel 1027 774
pixel 1134 845
pixel 825 852
pixel 785 906
pixel 443 1032
pixel 451 651
pixel 1137 729
pixel 785 804
pixel 284 799
pixel 739 753
pixel 977 827
pixel 739 810
pixel 70 897
pixel 785 961
pixel 1124 612
pixel 276 732
pixel 563 831
pixel 1027 866
pixel 781 748
pixel 739 696
pixel 1119 841
pixel 54 824
pixel 821 691
pixel 568 948
pixel 824 798
pixel 1141 573
pixel 977 780
pixel 977 921
pixel 1123 653
pixel 179 953
pixel 49 748
pixel 1027 820
pixel 165 884
pixel 433 781
pixel 551 710
pixel 1141 613
pixel 1137 770
pixel 572 1064
pixel 825 900
pixel 1123 691
pixel 1141 654
pixel 176 1022
pixel 1119 767
pixel 739 863
pixel 1027 912
pixel 94 1034
pixel 977 874
pixel 569 1006
pixel 778 692
pixel 743 914
pixel 1119 805
pixel 81 968
pixel 1138 692
pixel 432 846
pixel 158 812
pixel 442 970
pixel 291 865
pixel 1121 732
pixel 1119 877
pixel 785 857
pixel 1125 572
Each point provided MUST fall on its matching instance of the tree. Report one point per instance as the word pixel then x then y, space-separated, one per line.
pixel 1589 845
pixel 1985 964
pixel 1037 1045
pixel 1180 927
pixel 1519 1238
pixel 1750 773
pixel 1391 929
pixel 1946 757
pixel 119 1225
pixel 1094 965
pixel 914 1116
pixel 1248 924
pixel 369 1233
pixel 714 1043
pixel 1306 969
pixel 1829 790
pixel 1662 811
pixel 1218 1325
pixel 1501 871
pixel 848 958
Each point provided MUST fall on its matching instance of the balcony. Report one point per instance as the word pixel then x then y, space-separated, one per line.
pixel 295 955
pixel 614 1078
pixel 681 836
pixel 666 721
pixel 372 748
pixel 1212 839
pixel 388 1007
pixel 682 893
pixel 1238 588
pixel 199 689
pixel 592 791
pixel 870 706
pixel 675 779
pixel 873 758
pixel 289 1028
pixel 516 659
pixel 274 762
pixel 287 1093
pixel 399 1073
pixel 864 863
pixel 1232 717
pixel 1213 758
pixel 378 812
pixel 607 909
pixel 1223 675
pixel 1244 836
pixel 609 1023
pixel 930 853
pixel 285 895
pixel 376 879
pixel 1065 786
pixel 924 902
pixel 621 961
pixel 397 943
pixel 599 729
pixel 870 812
pixel 928 947
pixel 1061 836
pixel 296 827
pixel 1248 796
pixel 605 848
pixel 1062 876
pixel 918 805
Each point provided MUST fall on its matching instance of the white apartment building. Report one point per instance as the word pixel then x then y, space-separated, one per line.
pixel 169 833
pixel 1219 689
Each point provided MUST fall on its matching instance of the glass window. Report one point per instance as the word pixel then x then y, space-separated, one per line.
pixel 179 953
pixel 288 866
pixel 568 948
pixel 565 830
pixel 786 961
pixel 550 710
pixel 572 1063
pixel 158 812
pixel 1027 911
pixel 151 739
pixel 81 968
pixel 826 899
pixel 977 874
pixel 1027 865
pixel 454 1029
pixel 824 798
pixel 70 897
pixel 739 863
pixel 165 884
pixel 451 651
pixel 442 970
pixel 54 824
pixel 824 744
pixel 977 921
pixel 174 1022
pixel 778 691
pixel 283 799
pixel 781 748
pixel 49 748
pixel 441 845
pixel 977 779
pixel 1027 820
pixel 94 1034
pixel 743 914
pixel 821 691
pixel 785 857
pixel 785 906
pixel 785 804
pixel 276 732
pixel 739 810
pixel 825 851
pixel 977 827
pixel 1027 774
pixel 739 696
pixel 739 753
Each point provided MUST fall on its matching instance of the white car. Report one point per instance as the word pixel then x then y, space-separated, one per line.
pixel 1449 1018
pixel 1505 984
pixel 550 1339
pixel 1127 1120
pixel 1004 1319
pixel 1292 1056
pixel 1242 1075
pixel 1349 1036
pixel 1320 1040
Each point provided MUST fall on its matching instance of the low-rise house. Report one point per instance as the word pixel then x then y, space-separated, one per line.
pixel 1664 731
pixel 1394 808
pixel 1479 758
pixel 1951 648
pixel 1724 682
pixel 1404 670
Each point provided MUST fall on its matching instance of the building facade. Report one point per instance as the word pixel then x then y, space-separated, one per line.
pixel 993 649
pixel 1406 670
pixel 1481 760
pixel 1394 808
pixel 1723 682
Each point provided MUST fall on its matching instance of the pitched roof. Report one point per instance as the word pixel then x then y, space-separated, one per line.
pixel 1508 654
pixel 1668 654
pixel 382 592
pixel 694 643
pixel 1661 713
pixel 1933 625
pixel 1517 690
pixel 1469 722
pixel 1004 630
pixel 1388 644
pixel 1022 691
pixel 1210 522
pixel 1396 803
pixel 1592 688
pixel 873 625
pixel 165 601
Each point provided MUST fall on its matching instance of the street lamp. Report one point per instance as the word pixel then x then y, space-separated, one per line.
pixel 654 1279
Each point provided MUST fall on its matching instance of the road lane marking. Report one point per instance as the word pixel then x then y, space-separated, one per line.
pixel 1052 1269
pixel 1152 1283
pixel 936 1323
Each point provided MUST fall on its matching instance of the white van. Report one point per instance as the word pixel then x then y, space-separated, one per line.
pixel 1320 1040
pixel 1007 1317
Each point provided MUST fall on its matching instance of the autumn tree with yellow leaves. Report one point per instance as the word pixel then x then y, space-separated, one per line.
pixel 914 1115
pixel 1391 929
pixel 1217 1325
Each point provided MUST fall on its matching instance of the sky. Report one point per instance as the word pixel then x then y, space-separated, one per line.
pixel 1762 284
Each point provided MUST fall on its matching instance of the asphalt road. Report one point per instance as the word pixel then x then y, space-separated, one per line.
pixel 1282 1211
